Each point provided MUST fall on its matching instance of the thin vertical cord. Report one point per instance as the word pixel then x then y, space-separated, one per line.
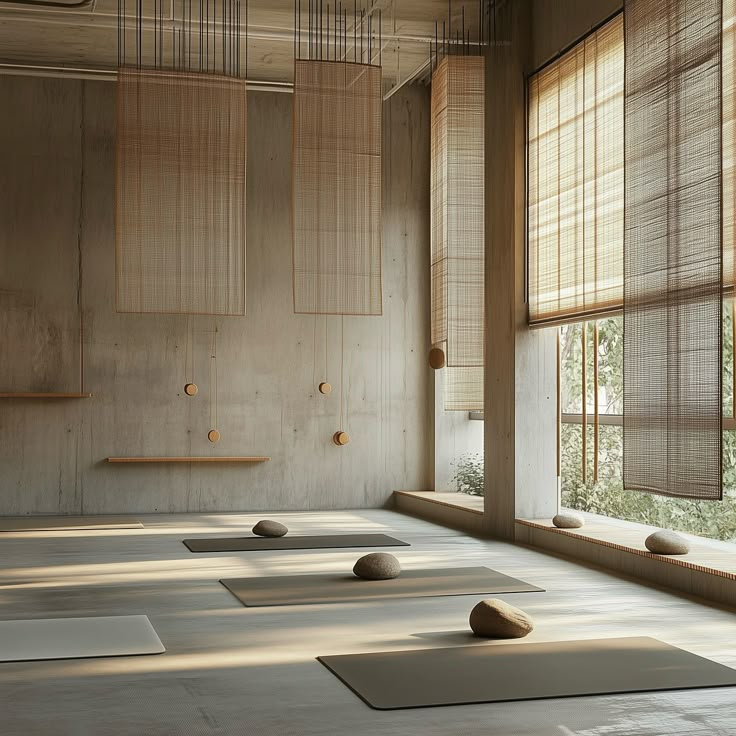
pixel 596 423
pixel 326 378
pixel 213 380
pixel 342 370
pixel 314 352
pixel 584 333
pixel 189 355
pixel 559 404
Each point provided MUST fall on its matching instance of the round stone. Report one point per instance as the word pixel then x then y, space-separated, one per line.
pixel 267 528
pixel 665 542
pixel 568 521
pixel 495 619
pixel 377 566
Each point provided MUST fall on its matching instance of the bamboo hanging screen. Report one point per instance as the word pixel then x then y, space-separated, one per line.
pixel 458 228
pixel 672 248
pixel 336 180
pixel 576 181
pixel 181 166
pixel 463 389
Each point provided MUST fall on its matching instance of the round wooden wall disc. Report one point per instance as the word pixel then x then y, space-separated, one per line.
pixel 340 438
pixel 437 358
pixel 213 436
pixel 325 388
pixel 190 389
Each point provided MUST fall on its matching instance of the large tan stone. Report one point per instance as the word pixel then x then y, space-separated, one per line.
pixel 377 566
pixel 495 619
pixel 268 528
pixel 665 542
pixel 568 521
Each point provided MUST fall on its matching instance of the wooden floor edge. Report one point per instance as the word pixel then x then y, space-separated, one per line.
pixel 413 494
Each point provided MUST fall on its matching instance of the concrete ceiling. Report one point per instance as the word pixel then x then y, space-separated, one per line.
pixel 69 33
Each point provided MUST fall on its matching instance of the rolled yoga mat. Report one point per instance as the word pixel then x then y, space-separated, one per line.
pixel 252 544
pixel 489 673
pixel 66 523
pixel 296 590
pixel 77 638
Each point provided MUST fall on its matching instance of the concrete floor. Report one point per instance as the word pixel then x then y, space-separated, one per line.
pixel 232 670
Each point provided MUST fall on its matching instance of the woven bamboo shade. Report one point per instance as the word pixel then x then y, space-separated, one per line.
pixel 336 180
pixel 463 389
pixel 576 181
pixel 672 248
pixel 181 166
pixel 458 230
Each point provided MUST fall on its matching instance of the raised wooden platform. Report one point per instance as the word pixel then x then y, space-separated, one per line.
pixel 456 510
pixel 205 459
pixel 708 570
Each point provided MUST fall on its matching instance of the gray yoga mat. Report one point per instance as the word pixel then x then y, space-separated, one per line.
pixel 294 590
pixel 489 673
pixel 252 544
pixel 76 638
pixel 66 523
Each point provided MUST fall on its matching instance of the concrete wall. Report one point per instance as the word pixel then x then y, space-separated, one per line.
pixel 57 184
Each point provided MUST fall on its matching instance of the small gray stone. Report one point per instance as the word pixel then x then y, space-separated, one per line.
pixel 568 521
pixel 377 566
pixel 495 619
pixel 267 528
pixel 665 542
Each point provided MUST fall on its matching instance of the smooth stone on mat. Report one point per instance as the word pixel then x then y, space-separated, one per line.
pixel 568 521
pixel 665 542
pixel 267 528
pixel 377 566
pixel 495 619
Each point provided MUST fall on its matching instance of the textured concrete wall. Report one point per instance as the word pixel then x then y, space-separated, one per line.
pixel 57 184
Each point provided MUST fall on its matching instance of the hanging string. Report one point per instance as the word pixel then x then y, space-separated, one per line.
pixel 213 380
pixel 314 352
pixel 342 370
pixel 326 378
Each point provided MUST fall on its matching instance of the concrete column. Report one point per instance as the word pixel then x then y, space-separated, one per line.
pixel 521 365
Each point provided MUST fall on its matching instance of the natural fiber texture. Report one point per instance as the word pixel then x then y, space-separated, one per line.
pixel 463 389
pixel 576 181
pixel 336 179
pixel 458 229
pixel 181 164
pixel 672 248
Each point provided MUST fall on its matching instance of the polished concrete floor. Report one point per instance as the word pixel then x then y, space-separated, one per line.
pixel 232 670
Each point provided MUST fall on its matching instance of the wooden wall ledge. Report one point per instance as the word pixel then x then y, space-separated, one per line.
pixel 188 459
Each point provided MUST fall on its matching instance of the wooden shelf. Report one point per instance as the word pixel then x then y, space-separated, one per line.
pixel 206 459
pixel 42 395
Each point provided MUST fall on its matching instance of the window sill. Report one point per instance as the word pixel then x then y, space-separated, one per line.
pixel 708 570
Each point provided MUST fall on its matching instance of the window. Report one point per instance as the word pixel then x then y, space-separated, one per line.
pixel 575 200
pixel 591 451
pixel 575 181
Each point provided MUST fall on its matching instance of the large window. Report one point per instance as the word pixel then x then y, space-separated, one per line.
pixel 575 224
pixel 591 439
pixel 575 181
